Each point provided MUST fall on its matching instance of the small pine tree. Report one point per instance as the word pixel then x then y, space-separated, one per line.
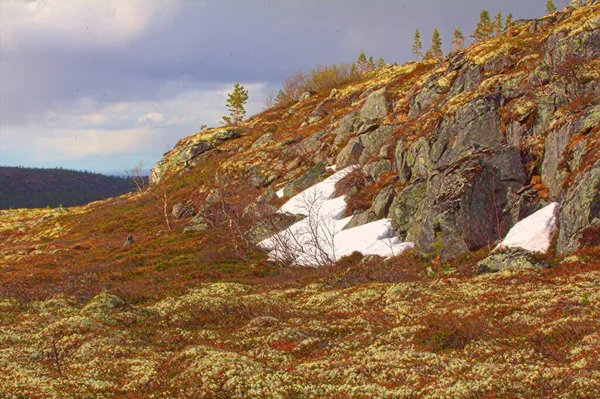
pixel 235 104
pixel 417 46
pixel 459 40
pixel 498 25
pixel 371 63
pixel 484 29
pixel 550 7
pixel 509 22
pixel 436 45
pixel 362 62
pixel 380 63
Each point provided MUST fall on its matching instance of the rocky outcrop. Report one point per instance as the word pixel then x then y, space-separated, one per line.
pixel 581 209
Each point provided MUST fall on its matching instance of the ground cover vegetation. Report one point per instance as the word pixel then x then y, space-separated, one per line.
pixel 193 308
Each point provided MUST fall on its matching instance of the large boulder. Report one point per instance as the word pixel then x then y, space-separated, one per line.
pixel 183 210
pixel 465 207
pixel 306 180
pixel 376 106
pixel 580 210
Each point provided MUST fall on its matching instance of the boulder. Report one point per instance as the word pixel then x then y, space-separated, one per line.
pixel 375 169
pixel 350 154
pixel 373 141
pixel 306 180
pixel 580 209
pixel 465 205
pixel 198 223
pixel 182 210
pixel 382 202
pixel 226 134
pixel 403 209
pixel 345 129
pixel 193 150
pixel 376 106
pixel 513 258
pixel 128 240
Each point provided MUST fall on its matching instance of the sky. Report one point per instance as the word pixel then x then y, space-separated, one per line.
pixel 101 85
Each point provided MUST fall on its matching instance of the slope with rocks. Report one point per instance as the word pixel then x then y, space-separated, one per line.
pixel 464 147
pixel 483 147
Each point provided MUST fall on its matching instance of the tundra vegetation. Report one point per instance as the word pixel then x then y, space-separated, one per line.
pixel 454 151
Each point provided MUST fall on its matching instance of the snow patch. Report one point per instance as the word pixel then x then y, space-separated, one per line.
pixel 534 233
pixel 319 238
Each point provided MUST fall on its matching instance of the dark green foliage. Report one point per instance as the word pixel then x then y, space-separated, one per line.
pixel 37 188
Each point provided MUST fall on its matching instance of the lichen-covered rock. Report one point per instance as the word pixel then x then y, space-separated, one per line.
pixel 403 210
pixel 375 169
pixel 101 304
pixel 376 106
pixel 345 129
pixel 465 205
pixel 373 141
pixel 193 150
pixel 182 210
pixel 414 162
pixel 350 154
pixel 225 134
pixel 306 180
pixel 580 209
pixel 198 223
pixel 509 259
pixel 383 201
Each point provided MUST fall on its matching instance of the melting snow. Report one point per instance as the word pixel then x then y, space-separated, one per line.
pixel 319 239
pixel 534 233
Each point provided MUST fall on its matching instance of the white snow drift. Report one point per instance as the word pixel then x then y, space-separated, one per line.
pixel 318 239
pixel 534 233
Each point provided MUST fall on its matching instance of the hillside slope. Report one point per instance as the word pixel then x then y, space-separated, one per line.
pixel 453 152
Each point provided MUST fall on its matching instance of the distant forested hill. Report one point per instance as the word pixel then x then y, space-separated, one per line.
pixel 35 188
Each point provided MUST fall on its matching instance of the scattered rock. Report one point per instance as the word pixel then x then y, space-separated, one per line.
pixel 306 180
pixel 128 240
pixel 182 210
pixel 513 258
pixel 226 134
pixel 198 223
pixel 376 106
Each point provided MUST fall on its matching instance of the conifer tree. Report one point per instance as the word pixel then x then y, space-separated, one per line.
pixel 484 29
pixel 235 104
pixel 371 63
pixel 362 62
pixel 417 46
pixel 353 69
pixel 380 63
pixel 436 45
pixel 508 23
pixel 498 25
pixel 459 40
pixel 550 7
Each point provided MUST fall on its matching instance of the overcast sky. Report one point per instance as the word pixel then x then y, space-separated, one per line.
pixel 102 84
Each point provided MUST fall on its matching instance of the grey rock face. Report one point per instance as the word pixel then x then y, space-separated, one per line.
pixel 373 141
pixel 195 149
pixel 580 209
pixel 376 106
pixel 345 129
pixel 403 210
pixel 382 202
pixel 182 210
pixel 361 219
pixel 414 162
pixel 306 180
pixel 509 259
pixel 465 204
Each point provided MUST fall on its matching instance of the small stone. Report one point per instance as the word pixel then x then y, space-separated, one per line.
pixel 128 240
